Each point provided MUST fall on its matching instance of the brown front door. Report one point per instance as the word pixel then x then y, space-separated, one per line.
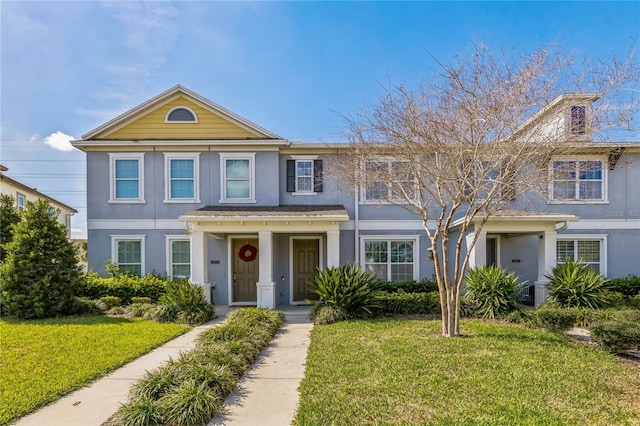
pixel 306 259
pixel 245 270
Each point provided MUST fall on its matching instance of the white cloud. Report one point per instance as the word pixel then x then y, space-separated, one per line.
pixel 59 141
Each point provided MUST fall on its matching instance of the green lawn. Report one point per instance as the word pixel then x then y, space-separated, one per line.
pixel 43 360
pixel 403 372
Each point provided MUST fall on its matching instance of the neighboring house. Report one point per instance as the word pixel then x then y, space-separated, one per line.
pixel 23 193
pixel 181 185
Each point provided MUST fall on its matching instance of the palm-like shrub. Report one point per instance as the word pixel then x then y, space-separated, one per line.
pixel 494 290
pixel 574 284
pixel 348 288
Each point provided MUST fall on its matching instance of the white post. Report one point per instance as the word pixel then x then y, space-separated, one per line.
pixel 546 261
pixel 266 286
pixel 333 248
pixel 199 266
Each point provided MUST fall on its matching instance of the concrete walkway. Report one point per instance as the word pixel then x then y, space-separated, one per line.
pixel 95 404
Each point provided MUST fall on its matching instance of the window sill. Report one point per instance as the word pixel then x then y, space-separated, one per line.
pixel 237 201
pixel 181 201
pixel 578 202
pixel 127 201
pixel 297 194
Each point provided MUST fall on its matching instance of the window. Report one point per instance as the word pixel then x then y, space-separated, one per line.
pixel 178 257
pixel 578 120
pixel 390 259
pixel 182 173
pixel 304 175
pixel 588 250
pixel 237 177
pixel 578 180
pixel 388 181
pixel 21 201
pixel 181 115
pixel 127 177
pixel 128 253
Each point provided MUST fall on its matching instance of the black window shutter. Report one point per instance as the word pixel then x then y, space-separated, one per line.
pixel 291 175
pixel 317 175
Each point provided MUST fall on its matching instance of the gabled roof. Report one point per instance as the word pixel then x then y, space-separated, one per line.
pixel 163 97
pixel 33 191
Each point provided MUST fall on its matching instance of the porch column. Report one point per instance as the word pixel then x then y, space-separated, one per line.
pixel 546 261
pixel 478 255
pixel 266 285
pixel 333 248
pixel 199 264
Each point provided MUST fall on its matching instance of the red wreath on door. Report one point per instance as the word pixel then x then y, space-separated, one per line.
pixel 247 253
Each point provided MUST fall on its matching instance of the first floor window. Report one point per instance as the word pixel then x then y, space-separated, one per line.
pixel 180 259
pixel 128 254
pixel 390 260
pixel 583 250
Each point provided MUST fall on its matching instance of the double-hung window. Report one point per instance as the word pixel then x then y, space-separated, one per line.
pixel 390 259
pixel 178 257
pixel 587 249
pixel 238 177
pixel 127 251
pixel 126 177
pixel 182 173
pixel 578 180
pixel 388 181
pixel 304 175
pixel 21 201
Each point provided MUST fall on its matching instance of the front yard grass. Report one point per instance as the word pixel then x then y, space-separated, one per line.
pixel 402 372
pixel 44 359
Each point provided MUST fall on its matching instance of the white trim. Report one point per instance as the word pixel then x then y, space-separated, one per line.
pixel 381 225
pixel 602 238
pixel 312 176
pixel 111 224
pixel 230 255
pixel 195 116
pixel 577 158
pixel 304 157
pixel 114 248
pixel 251 156
pixel 169 239
pixel 297 194
pixel 139 156
pixel 594 224
pixel 385 200
pixel 498 239
pixel 387 238
pixel 320 263
pixel 195 157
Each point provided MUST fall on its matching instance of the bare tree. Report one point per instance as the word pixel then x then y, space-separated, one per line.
pixel 478 135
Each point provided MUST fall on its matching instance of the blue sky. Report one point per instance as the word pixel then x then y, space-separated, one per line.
pixel 68 67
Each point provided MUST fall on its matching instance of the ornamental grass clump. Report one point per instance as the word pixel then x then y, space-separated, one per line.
pixel 348 288
pixel 494 290
pixel 573 284
pixel 191 389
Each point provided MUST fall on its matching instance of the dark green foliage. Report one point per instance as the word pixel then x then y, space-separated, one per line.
pixel 109 302
pixel 628 286
pixel 574 284
pixel 40 276
pixel 140 300
pixel 519 316
pixel 469 308
pixel 84 306
pixel 349 288
pixel 411 303
pixel 325 314
pixel 9 216
pixel 554 319
pixel 124 286
pixel 616 335
pixel 188 301
pixel 191 389
pixel 423 286
pixel 493 289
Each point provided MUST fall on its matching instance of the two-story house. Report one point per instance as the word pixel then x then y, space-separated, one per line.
pixel 23 193
pixel 181 185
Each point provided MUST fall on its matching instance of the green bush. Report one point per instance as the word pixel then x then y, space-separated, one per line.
pixel 190 403
pixel 519 316
pixel 616 335
pixel 495 291
pixel 325 314
pixel 123 286
pixel 84 306
pixel 410 303
pixel 423 286
pixel 554 319
pixel 628 286
pixel 349 288
pixel 574 284
pixel 188 303
pixel 140 300
pixel 139 412
pixel 108 302
pixel 469 308
pixel 141 310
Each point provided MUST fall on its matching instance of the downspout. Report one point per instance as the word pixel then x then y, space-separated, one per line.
pixel 356 221
pixel 563 227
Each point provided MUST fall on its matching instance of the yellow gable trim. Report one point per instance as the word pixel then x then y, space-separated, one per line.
pixel 152 125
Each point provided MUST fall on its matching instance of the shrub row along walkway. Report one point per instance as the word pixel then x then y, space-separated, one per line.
pixel 267 393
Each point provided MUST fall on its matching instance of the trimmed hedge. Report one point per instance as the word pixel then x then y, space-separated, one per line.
pixel 410 303
pixel 616 335
pixel 424 286
pixel 629 286
pixel 123 286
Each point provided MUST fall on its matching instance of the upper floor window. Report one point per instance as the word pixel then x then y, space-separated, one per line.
pixel 304 176
pixel 182 177
pixel 238 181
pixel 181 114
pixel 578 180
pixel 390 259
pixel 127 251
pixel 21 201
pixel 578 120
pixel 127 177
pixel 388 181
